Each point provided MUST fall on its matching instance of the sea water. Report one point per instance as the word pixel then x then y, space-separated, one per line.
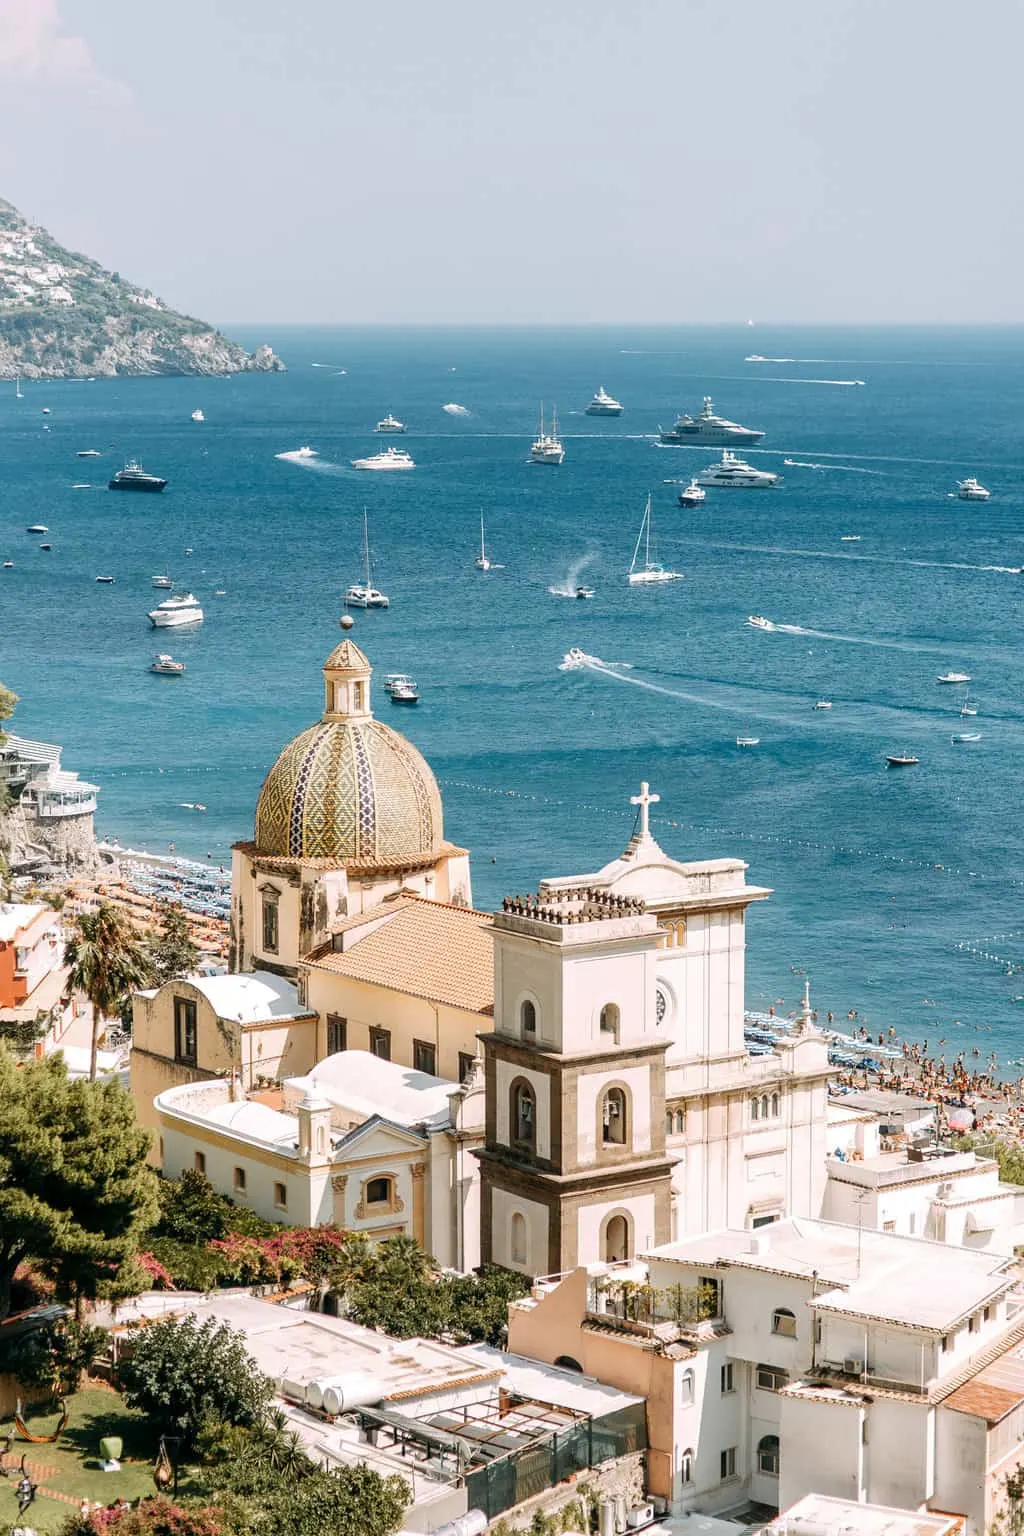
pixel 898 891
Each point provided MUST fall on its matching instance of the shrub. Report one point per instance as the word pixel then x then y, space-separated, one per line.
pixel 182 1372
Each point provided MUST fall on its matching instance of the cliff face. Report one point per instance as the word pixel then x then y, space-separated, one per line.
pixel 62 315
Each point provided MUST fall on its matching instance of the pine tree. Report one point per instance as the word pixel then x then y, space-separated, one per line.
pixel 172 953
pixel 105 961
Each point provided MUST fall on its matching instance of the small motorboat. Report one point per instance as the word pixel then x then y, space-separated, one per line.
pixel 971 490
pixel 756 621
pixel 164 582
pixel 197 415
pixel 901 759
pixel 963 736
pixel 166 666
pixel 953 677
pixel 823 704
pixel 405 692
pixel 748 741
pixel 849 538
pixel 88 453
pixel 46 546
pixel 397 680
pixel 692 495
pixel 584 592
pixel 107 581
pixel 37 528
pixel 8 565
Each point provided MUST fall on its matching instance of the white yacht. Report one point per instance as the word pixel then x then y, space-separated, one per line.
pixel 88 453
pixel 604 404
pixel 363 594
pixel 166 665
pixel 305 452
pixel 548 448
pixel 953 677
pixel 404 692
pixel 649 571
pixel 758 621
pixel 971 490
pixel 197 415
pixel 163 582
pixel 389 423
pixel 391 458
pixel 708 428
pixel 748 741
pixel 734 471
pixel 174 612
pixel 823 704
pixel 482 562
pixel 692 495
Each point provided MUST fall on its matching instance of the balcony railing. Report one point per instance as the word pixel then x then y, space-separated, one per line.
pixel 632 1306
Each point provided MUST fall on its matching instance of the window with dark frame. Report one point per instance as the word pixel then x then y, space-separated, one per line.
pixel 185 1030
pixel 378 1191
pixel 424 1057
pixel 380 1043
pixel 466 1060
pixel 271 927
pixel 337 1034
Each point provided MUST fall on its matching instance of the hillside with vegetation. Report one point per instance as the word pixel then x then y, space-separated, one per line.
pixel 63 316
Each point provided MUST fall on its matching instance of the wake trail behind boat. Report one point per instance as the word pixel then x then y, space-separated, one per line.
pixel 830 554
pixel 302 461
pixel 572 578
pixel 849 469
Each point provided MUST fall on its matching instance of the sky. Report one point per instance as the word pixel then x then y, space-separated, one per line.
pixel 675 161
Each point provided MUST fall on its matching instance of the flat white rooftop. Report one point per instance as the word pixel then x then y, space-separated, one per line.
pixel 816 1513
pixel 15 915
pixel 550 1383
pixel 250 998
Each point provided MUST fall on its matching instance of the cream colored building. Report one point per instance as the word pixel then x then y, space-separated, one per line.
pixel 357 1142
pixel 349 814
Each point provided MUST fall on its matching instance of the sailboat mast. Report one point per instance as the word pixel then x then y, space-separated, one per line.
pixel 366 545
pixel 647 520
pixel 483 551
pixel 636 547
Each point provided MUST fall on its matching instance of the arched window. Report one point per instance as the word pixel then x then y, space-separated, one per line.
pixel 614 1131
pixel 378 1191
pixel 680 1121
pixel 775 1106
pixel 765 1105
pixel 686 1389
pixel 523 1116
pixel 518 1238
pixel 617 1243
pixel 320 1140
pixel 686 1466
pixel 768 1455
pixel 528 1017
pixel 755 1109
pixel 784 1323
pixel 569 1364
pixel 668 1124
pixel 610 1021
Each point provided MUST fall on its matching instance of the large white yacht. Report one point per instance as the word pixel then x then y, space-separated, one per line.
pixel 173 612
pixel 708 428
pixel 604 404
pixel 389 423
pixel 391 458
pixel 548 448
pixel 734 471
pixel 971 490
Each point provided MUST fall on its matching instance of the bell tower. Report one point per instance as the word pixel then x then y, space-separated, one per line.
pixel 573 1167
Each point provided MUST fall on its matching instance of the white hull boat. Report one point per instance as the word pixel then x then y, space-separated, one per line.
pixel 176 612
pixel 649 572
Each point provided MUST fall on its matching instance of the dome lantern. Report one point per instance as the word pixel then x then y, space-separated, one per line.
pixel 347 684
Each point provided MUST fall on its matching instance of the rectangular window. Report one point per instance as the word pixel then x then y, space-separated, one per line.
pixel 947 1343
pixel 337 1034
pixel 380 1043
pixel 466 1060
pixel 424 1057
pixel 727 1380
pixel 990 1313
pixel 710 1294
pixel 270 924
pixel 239 1181
pixel 973 1324
pixel 784 1323
pixel 185 1031
pixel 888 1226
pixel 727 1462
pixel 765 1221
pixel 771 1380
pixel 200 1162
pixel 281 1197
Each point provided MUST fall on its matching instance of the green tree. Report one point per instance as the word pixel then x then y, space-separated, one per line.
pixel 8 700
pixel 182 1372
pixel 105 961
pixel 75 1188
pixel 172 953
pixel 191 1210
pixel 478 1304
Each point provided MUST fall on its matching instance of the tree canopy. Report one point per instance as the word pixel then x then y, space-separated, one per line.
pixel 75 1188
pixel 171 952
pixel 182 1373
pixel 105 961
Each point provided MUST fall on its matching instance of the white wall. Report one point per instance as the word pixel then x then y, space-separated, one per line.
pixel 591 1085
pixel 503 1207
pixel 640 1209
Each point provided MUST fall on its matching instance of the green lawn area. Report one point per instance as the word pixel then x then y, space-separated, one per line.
pixel 75 1462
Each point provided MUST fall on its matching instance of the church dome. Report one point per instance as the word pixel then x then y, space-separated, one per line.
pixel 349 788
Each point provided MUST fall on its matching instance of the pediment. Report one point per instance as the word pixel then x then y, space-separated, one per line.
pixel 380 1138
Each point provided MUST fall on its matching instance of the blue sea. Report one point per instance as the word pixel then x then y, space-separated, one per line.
pixel 898 891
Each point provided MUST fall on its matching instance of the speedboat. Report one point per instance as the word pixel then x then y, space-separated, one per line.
pixel 37 528
pixel 823 704
pixel 901 759
pixel 162 581
pixel 757 622
pixel 397 680
pixel 363 594
pixel 692 495
pixel 849 538
pixel 547 448
pixel 106 580
pixel 584 592
pixel 197 415
pixel 962 736
pixel 649 572
pixel 748 741
pixel 166 665
pixel 305 452
pixel 971 490
pixel 8 565
pixel 174 612
pixel 391 458
pixel 708 428
pixel 88 453
pixel 604 404
pixel 734 471
pixel 405 692
pixel 46 546
pixel 389 423
pixel 953 677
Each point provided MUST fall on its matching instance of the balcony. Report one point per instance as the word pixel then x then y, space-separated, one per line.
pixel 619 1301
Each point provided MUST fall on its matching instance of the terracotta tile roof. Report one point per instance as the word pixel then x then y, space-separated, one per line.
pixel 423 948
pixel 984 1401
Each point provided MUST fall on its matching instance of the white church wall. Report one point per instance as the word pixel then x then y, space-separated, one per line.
pixel 590 982
pixel 590 1219
pixel 523 970
pixel 707 976
pixel 589 1089
pixel 506 1206
pixel 505 1075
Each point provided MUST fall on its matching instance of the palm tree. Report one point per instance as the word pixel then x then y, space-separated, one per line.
pixel 105 961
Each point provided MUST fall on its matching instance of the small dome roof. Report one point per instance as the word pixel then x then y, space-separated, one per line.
pixel 349 788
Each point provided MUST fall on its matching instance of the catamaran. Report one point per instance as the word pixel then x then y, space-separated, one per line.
pixel 363 594
pixel 649 571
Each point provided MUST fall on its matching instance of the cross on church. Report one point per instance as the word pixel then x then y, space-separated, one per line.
pixel 644 800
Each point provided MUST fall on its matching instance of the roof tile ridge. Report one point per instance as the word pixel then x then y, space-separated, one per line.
pixel 971 1368
pixel 446 906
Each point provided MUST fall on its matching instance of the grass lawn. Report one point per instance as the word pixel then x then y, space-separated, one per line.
pixel 73 1463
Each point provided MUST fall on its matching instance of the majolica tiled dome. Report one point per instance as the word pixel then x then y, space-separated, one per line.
pixel 349 788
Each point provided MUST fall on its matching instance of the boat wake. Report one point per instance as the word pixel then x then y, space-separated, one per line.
pixel 849 469
pixel 831 554
pixel 307 461
pixel 772 378
pixel 453 409
pixel 825 634
pixel 571 584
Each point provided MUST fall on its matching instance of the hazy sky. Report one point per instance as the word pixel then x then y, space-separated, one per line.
pixel 661 160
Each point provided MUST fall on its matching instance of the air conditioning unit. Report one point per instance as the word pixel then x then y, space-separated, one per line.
pixel 639 1516
pixel 852 1366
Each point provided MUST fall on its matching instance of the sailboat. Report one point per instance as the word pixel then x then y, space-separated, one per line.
pixel 650 571
pixel 547 449
pixel 17 387
pixel 363 594
pixel 481 562
pixel 966 708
